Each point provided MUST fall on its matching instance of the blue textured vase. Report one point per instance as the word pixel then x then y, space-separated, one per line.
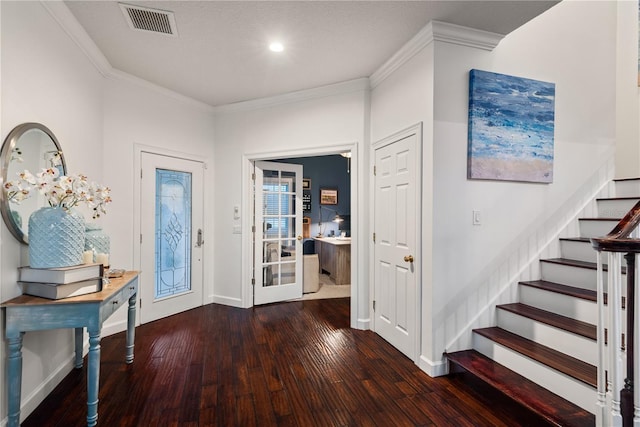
pixel 96 240
pixel 56 238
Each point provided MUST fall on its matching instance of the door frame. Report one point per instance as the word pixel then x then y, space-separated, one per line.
pixel 207 251
pixel 358 291
pixel 404 133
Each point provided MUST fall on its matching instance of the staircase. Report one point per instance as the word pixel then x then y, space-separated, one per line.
pixel 542 353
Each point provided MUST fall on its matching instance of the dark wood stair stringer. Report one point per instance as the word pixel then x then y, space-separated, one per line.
pixel 548 406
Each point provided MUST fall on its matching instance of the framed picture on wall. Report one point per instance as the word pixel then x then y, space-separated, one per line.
pixel 328 196
pixel 306 184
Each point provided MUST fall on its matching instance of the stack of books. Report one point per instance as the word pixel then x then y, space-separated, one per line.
pixel 63 282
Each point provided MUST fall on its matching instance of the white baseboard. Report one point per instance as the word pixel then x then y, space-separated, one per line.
pixel 231 302
pixel 362 324
pixel 30 402
pixel 433 369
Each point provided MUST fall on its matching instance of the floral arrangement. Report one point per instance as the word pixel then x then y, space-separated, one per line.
pixel 59 190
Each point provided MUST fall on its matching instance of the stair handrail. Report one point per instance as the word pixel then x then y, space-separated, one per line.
pixel 618 239
pixel 618 405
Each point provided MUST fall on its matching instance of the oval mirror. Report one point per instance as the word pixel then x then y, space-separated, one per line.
pixel 30 146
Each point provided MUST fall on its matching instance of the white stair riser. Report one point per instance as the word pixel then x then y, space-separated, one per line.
pixel 567 275
pixel 575 276
pixel 580 251
pixel 565 342
pixel 564 386
pixel 596 228
pixel 615 208
pixel 629 188
pixel 565 305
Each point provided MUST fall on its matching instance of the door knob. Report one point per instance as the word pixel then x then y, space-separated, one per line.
pixel 299 237
pixel 408 258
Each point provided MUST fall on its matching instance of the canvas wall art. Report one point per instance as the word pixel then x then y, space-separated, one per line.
pixel 511 128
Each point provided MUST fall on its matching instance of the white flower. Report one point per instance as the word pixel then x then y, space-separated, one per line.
pixel 64 191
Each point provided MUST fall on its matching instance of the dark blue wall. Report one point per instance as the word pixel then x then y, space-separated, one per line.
pixel 325 172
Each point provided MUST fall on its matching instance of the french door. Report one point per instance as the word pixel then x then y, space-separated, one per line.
pixel 278 232
pixel 171 207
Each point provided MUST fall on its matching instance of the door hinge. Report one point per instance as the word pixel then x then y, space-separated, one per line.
pixel 374 237
pixel 253 228
pixel 140 238
pixel 140 302
pixel 374 305
pixel 374 170
pixel 253 281
pixel 253 176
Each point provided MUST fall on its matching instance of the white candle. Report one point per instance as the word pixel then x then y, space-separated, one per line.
pixel 102 259
pixel 87 257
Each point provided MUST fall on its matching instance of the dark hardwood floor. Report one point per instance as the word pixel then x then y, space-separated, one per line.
pixel 289 364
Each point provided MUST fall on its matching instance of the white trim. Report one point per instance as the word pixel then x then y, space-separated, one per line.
pixel 30 402
pixel 68 22
pixel 435 31
pixel 419 268
pixel 231 302
pixel 433 369
pixel 357 240
pixel 349 86
pixel 207 273
pixel 70 25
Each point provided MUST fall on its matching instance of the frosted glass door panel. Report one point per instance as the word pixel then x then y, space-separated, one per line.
pixel 173 233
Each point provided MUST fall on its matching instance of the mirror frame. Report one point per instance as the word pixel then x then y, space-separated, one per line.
pixel 9 144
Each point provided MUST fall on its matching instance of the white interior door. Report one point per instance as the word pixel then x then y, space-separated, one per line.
pixel 278 232
pixel 172 211
pixel 396 213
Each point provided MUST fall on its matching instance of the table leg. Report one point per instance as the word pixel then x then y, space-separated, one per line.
pixel 93 376
pixel 14 339
pixel 131 328
pixel 79 337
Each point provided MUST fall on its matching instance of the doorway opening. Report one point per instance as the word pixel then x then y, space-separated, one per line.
pixel 318 221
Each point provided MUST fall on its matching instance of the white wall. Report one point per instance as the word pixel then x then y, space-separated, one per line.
pixel 45 79
pixel 283 130
pixel 573 45
pixel 544 49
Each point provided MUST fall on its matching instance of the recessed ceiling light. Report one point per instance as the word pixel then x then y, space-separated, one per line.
pixel 276 47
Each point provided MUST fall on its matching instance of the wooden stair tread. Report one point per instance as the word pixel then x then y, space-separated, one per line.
pixel 551 407
pixel 561 362
pixel 572 291
pixel 577 327
pixel 618 198
pixel 580 264
pixel 626 179
pixel 572 263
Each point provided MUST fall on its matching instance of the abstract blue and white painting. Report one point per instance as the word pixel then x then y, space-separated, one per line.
pixel 511 127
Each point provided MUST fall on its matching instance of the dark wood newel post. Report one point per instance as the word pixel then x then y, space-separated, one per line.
pixel 626 394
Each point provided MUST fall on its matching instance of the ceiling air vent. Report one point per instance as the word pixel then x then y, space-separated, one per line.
pixel 147 19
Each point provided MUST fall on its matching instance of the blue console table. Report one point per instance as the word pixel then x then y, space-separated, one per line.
pixel 28 313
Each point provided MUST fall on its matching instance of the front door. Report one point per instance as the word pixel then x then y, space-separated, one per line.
pixel 396 257
pixel 278 232
pixel 172 235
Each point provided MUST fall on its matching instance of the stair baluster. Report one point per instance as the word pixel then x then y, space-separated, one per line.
pixel 617 407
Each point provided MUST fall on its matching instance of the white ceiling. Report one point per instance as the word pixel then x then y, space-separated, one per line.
pixel 220 55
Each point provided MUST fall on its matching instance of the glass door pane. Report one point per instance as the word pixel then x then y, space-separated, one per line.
pixel 173 233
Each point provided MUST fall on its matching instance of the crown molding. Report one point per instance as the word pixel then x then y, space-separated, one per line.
pixel 70 25
pixel 435 31
pixel 61 13
pixel 349 86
